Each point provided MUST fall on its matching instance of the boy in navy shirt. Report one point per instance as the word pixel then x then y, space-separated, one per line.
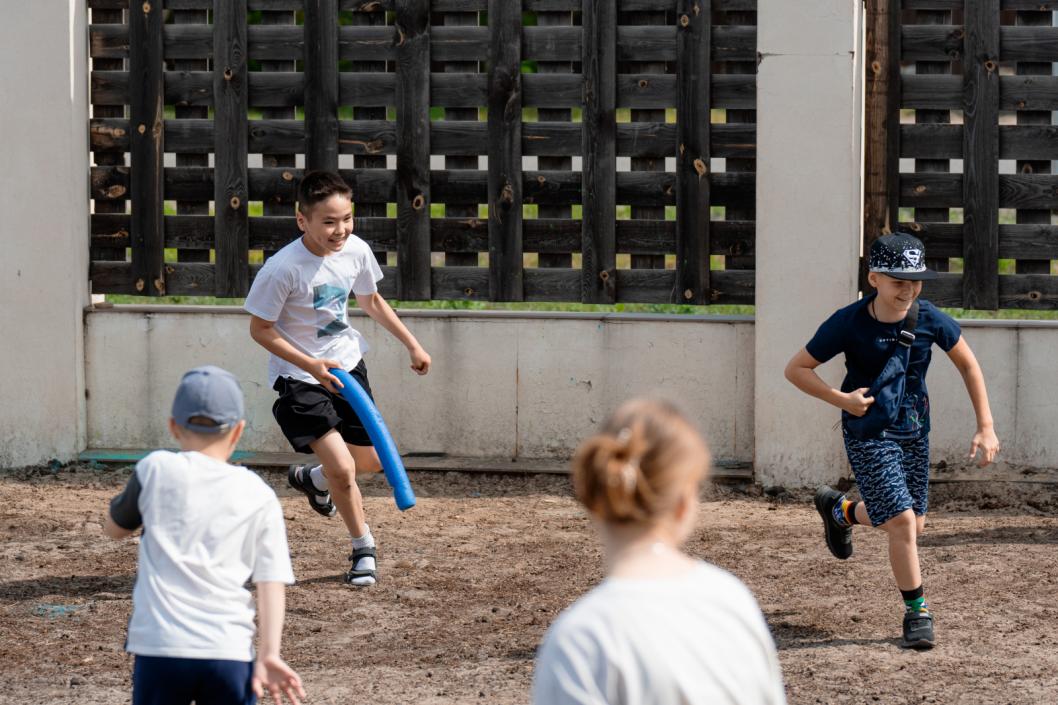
pixel 891 466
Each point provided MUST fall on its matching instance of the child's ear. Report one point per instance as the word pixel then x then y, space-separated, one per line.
pixel 174 428
pixel 872 279
pixel 300 217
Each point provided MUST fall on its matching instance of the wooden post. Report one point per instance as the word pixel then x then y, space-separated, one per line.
pixel 469 113
pixel 146 91
pixel 109 158
pixel 412 30
pixel 372 18
pixel 981 156
pixel 555 260
pixel 191 112
pixel 692 151
pixel 1041 166
pixel 740 165
pixel 276 204
pixel 230 192
pixel 599 62
pixel 321 85
pixel 505 151
pixel 882 117
pixel 925 116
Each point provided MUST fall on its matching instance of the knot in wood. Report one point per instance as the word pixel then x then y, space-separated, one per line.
pixel 507 195
pixel 697 9
pixel 141 128
pixel 916 227
pixel 146 8
pixel 234 202
pixel 990 66
pixel 688 294
pixel 228 73
pixel 116 191
pixel 159 286
pixel 683 149
pixel 541 180
pixel 418 202
pixel 370 7
pixel 140 284
pixel 876 68
pixel 1035 296
pixel 643 83
pixel 604 275
pixel 1021 104
pixel 699 166
pixel 685 21
pixel 287 176
pixel 920 188
pixel 468 292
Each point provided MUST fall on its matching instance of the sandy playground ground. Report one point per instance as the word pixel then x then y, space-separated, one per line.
pixel 474 574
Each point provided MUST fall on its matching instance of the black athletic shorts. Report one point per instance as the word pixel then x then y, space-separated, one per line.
pixel 306 412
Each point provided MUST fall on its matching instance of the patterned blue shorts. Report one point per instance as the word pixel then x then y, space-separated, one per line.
pixel 893 475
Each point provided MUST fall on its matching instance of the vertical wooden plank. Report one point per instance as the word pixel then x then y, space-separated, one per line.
pixel 468 211
pixel 274 204
pixel 934 166
pixel 651 115
pixel 981 156
pixel 146 116
pixel 371 18
pixel 505 150
pixel 740 116
pixel 1033 117
pixel 188 112
pixel 693 19
pixel 108 158
pixel 321 85
pixel 555 260
pixel 599 62
pixel 882 118
pixel 412 29
pixel 230 192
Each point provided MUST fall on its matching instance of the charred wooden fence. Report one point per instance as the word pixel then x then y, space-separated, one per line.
pixel 585 109
pixel 960 141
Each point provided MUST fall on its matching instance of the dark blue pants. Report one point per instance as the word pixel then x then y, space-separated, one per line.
pixel 158 680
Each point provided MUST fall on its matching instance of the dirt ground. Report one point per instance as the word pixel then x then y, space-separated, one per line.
pixel 474 574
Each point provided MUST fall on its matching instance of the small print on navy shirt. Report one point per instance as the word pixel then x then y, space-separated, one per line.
pixel 868 344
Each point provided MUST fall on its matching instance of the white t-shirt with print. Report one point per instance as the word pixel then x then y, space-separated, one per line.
pixel 306 297
pixel 699 639
pixel 208 528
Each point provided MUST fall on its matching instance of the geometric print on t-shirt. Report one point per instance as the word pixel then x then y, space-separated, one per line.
pixel 329 302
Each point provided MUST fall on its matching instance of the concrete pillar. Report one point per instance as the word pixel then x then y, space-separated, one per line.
pixel 808 222
pixel 44 230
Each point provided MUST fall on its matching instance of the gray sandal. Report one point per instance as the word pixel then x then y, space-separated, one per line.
pixel 355 558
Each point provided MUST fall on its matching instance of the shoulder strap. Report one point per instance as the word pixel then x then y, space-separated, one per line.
pixel 907 331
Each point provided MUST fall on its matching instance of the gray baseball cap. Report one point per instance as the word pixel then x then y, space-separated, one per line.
pixel 210 393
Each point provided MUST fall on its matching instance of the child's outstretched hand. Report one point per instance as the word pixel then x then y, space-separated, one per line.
pixel 420 360
pixel 986 441
pixel 271 673
pixel 856 403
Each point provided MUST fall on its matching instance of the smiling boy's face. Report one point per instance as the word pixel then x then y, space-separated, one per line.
pixel 897 294
pixel 327 225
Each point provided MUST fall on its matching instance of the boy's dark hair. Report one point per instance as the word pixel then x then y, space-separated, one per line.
pixel 318 186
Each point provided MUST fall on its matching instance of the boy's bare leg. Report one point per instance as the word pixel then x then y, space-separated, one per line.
pixel 366 459
pixel 339 467
pixel 903 532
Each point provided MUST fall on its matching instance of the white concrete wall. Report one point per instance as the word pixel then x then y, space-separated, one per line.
pixel 808 206
pixel 44 230
pixel 503 384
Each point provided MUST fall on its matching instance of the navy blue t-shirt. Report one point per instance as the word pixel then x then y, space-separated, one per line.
pixel 868 344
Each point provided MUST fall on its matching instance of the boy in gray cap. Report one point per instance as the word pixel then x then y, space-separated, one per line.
pixel 208 528
pixel 887 339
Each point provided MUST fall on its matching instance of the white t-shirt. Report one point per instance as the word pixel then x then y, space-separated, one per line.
pixel 306 297
pixel 696 640
pixel 208 528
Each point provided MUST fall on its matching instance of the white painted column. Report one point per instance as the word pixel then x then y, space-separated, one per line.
pixel 808 222
pixel 43 231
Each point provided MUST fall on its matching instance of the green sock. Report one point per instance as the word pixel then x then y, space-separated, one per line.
pixel 914 601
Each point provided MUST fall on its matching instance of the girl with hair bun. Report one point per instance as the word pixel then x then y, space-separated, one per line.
pixel 662 627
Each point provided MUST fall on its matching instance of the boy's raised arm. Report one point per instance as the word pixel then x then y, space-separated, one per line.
pixel 984 438
pixel 379 310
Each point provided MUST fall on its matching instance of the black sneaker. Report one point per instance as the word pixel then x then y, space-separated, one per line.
pixel 839 538
pixel 300 481
pixel 918 630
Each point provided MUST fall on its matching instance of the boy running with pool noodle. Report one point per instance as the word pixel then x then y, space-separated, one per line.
pixel 300 295
pixel 891 465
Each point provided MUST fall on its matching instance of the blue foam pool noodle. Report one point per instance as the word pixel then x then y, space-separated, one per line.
pixel 392 465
